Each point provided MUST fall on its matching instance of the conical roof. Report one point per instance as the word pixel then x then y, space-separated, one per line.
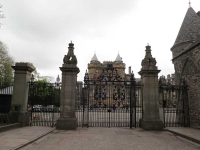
pixel 195 43
pixel 118 58
pixel 190 27
pixel 94 58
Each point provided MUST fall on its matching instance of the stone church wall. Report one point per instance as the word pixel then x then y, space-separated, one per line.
pixel 187 66
pixel 178 48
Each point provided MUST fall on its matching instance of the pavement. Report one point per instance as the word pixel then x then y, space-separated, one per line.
pixel 188 133
pixel 98 138
pixel 20 137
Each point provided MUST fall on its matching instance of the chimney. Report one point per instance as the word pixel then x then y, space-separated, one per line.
pixel 129 70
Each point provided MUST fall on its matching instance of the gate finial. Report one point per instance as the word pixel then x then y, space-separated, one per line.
pixel 70 58
pixel 148 63
pixel 189 3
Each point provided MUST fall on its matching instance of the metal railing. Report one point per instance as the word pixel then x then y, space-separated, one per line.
pixel 6 117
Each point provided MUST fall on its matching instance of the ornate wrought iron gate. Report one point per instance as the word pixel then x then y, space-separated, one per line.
pixel 174 100
pixel 111 101
pixel 44 102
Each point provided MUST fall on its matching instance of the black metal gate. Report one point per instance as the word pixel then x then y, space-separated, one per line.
pixel 111 101
pixel 175 104
pixel 44 102
pixel 6 118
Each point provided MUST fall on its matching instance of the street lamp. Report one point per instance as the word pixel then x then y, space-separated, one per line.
pixel 32 78
pixel 57 81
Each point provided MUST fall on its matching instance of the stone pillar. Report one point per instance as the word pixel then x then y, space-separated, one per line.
pixel 67 120
pixel 19 101
pixel 149 78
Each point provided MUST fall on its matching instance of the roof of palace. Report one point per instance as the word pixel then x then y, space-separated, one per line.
pixel 94 58
pixel 118 58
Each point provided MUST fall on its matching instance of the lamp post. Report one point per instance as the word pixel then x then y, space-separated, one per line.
pixel 32 78
pixel 57 83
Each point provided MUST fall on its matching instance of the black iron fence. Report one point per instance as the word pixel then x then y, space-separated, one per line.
pixel 173 117
pixel 174 102
pixel 111 101
pixel 79 103
pixel 44 102
pixel 6 118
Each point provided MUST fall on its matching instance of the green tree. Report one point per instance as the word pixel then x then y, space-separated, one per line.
pixel 44 93
pixel 6 61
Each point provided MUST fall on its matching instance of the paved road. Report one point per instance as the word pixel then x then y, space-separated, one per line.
pixel 15 138
pixel 111 139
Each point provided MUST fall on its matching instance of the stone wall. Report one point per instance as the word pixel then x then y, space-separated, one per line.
pixel 94 69
pixel 187 66
pixel 177 49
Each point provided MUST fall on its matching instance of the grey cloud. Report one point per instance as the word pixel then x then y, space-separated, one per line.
pixel 53 19
pixel 39 31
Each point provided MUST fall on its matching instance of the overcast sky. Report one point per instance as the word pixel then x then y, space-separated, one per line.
pixel 39 31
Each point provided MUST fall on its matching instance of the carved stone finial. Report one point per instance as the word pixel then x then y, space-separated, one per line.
pixel 148 63
pixel 70 58
pixel 189 3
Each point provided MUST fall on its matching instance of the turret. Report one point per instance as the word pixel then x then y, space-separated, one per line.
pixel 118 58
pixel 94 58
pixel 189 31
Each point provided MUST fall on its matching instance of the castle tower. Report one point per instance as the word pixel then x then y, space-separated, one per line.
pixel 189 31
pixel 186 58
pixel 94 67
pixel 120 66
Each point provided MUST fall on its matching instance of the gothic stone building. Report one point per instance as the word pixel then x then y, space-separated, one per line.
pixel 96 68
pixel 186 60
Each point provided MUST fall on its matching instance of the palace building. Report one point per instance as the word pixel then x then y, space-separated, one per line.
pixel 112 95
pixel 95 67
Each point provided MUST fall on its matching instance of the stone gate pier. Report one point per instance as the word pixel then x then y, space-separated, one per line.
pixel 19 101
pixel 149 78
pixel 67 120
